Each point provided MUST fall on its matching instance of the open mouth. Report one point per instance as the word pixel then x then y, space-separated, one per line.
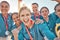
pixel 26 20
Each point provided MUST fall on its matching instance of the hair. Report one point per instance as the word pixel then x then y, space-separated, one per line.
pixel 14 13
pixel 43 8
pixel 24 8
pixel 35 3
pixel 56 6
pixel 4 2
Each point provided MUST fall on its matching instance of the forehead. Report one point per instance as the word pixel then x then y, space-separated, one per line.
pixel 14 15
pixel 44 9
pixel 4 4
pixel 25 11
pixel 58 7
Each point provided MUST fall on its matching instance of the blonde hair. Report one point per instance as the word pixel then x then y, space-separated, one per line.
pixel 24 8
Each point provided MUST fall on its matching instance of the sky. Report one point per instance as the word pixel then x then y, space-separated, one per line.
pixel 47 3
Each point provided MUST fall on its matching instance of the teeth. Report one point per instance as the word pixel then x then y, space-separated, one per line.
pixel 26 20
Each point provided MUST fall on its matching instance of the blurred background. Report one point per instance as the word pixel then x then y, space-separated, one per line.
pixel 14 4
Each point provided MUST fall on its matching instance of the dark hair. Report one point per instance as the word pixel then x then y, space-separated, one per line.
pixel 56 6
pixel 43 8
pixel 14 13
pixel 35 3
pixel 4 2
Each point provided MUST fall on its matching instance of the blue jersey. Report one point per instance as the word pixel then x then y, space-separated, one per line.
pixel 55 19
pixel 3 26
pixel 33 17
pixel 34 31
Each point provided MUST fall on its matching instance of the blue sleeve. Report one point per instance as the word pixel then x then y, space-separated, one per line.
pixel 13 26
pixel 52 19
pixel 46 32
pixel 20 35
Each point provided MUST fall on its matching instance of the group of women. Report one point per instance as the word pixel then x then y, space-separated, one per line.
pixel 27 26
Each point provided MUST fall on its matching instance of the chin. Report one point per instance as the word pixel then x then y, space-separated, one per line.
pixel 26 22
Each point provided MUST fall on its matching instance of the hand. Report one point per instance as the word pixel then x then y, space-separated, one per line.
pixel 15 34
pixel 37 21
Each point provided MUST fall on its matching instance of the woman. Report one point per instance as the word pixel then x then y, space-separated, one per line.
pixel 5 20
pixel 30 30
pixel 17 23
pixel 45 14
pixel 55 17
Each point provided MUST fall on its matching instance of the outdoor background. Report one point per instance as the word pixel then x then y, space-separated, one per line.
pixel 48 3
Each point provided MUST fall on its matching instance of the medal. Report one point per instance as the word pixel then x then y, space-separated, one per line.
pixel 6 23
pixel 7 33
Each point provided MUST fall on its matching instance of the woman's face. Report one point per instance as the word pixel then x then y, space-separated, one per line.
pixel 25 16
pixel 58 11
pixel 4 7
pixel 16 19
pixel 44 12
pixel 35 8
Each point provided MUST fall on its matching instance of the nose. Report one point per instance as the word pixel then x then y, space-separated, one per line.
pixel 25 17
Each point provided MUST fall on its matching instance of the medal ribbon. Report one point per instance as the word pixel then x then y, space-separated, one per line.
pixel 5 21
pixel 35 17
pixel 29 32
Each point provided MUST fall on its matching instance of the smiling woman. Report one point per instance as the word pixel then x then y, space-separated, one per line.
pixel 5 20
pixel 25 17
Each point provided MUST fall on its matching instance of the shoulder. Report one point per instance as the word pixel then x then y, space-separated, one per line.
pixel 0 14
pixel 52 14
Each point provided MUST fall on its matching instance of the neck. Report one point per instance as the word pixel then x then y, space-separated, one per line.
pixel 5 15
pixel 46 18
pixel 36 14
pixel 17 25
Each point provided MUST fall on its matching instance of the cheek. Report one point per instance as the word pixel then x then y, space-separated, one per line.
pixel 21 18
pixel 58 13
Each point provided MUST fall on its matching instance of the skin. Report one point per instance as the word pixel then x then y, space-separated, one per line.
pixel 36 13
pixel 16 19
pixel 58 11
pixel 25 17
pixel 44 13
pixel 35 9
pixel 4 7
pixel 57 1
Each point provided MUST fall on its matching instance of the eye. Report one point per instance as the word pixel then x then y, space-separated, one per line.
pixel 22 15
pixel 17 17
pixel 42 11
pixel 35 7
pixel 2 6
pixel 45 10
pixel 27 14
pixel 58 10
pixel 6 6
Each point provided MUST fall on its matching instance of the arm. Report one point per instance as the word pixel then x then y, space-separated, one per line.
pixel 46 32
pixel 20 35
